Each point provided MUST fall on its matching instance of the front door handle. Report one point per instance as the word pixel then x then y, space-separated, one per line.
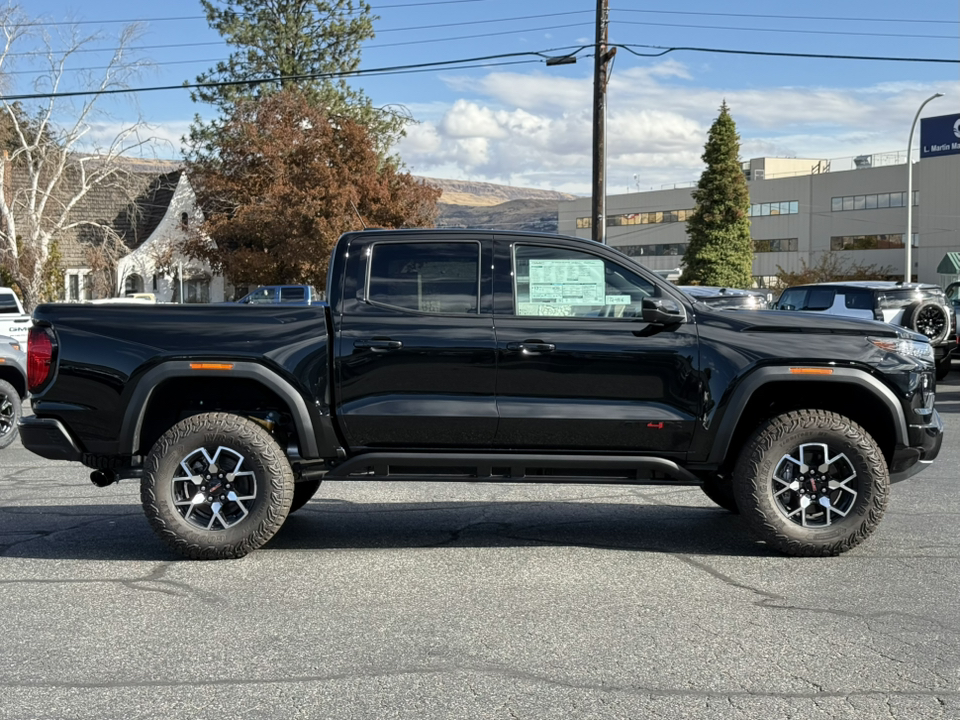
pixel 378 345
pixel 532 347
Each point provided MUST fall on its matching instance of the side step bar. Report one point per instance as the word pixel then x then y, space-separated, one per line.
pixel 519 467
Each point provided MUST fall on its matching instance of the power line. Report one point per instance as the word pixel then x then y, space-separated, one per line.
pixel 392 70
pixel 473 37
pixel 456 64
pixel 171 46
pixel 483 22
pixel 204 17
pixel 824 56
pixel 787 17
pixel 786 30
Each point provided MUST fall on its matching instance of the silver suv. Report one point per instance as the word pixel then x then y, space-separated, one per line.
pixel 919 307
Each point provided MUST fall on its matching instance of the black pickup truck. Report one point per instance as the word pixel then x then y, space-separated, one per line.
pixel 483 356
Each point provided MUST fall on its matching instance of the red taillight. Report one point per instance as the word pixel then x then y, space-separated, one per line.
pixel 40 351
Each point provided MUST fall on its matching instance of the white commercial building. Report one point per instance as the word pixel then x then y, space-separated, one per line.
pixel 801 208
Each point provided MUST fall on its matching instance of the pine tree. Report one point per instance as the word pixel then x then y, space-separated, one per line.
pixel 282 44
pixel 721 249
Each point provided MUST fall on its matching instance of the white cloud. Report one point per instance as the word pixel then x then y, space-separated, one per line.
pixel 535 129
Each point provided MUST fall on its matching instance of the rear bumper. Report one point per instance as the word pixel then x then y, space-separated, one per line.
pixel 48 438
pixel 925 446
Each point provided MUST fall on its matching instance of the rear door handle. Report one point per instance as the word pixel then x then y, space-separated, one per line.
pixel 532 347
pixel 378 345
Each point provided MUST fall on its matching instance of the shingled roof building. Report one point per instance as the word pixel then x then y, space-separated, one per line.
pixel 127 236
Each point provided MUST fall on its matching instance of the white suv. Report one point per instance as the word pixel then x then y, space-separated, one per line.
pixel 920 307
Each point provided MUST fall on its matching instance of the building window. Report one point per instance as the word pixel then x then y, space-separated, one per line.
pixel 184 221
pixel 73 287
pixel 782 207
pixel 653 250
pixel 867 242
pixel 775 245
pixel 871 202
pixel 655 217
pixel 195 290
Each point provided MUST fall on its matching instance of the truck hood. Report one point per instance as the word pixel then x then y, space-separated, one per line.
pixel 792 322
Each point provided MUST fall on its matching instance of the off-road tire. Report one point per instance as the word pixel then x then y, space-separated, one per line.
pixel 302 492
pixel 238 435
pixel 10 410
pixel 768 449
pixel 720 490
pixel 915 317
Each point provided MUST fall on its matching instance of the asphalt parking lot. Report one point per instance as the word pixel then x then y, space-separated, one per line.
pixel 386 600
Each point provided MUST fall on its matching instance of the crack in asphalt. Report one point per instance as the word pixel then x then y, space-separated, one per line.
pixel 142 584
pixel 604 687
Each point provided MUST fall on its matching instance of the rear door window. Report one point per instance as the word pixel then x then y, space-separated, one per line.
pixel 807 298
pixel 426 277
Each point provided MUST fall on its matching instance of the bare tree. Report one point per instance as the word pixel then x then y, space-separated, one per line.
pixel 50 164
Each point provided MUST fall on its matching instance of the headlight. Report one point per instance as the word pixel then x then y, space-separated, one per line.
pixel 910 348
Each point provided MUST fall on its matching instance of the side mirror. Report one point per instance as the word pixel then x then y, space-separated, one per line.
pixel 662 311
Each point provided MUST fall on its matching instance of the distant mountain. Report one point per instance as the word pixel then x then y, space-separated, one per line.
pixel 501 207
pixel 465 192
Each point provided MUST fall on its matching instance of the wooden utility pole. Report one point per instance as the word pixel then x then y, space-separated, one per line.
pixel 601 57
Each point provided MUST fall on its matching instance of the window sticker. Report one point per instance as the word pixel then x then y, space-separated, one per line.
pixel 568 282
pixel 617 300
pixel 544 309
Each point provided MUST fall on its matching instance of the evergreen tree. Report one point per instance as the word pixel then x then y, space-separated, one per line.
pixel 721 249
pixel 279 44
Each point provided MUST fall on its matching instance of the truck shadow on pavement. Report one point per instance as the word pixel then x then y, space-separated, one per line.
pixel 121 533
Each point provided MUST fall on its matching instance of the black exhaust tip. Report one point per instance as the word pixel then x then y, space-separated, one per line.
pixel 102 478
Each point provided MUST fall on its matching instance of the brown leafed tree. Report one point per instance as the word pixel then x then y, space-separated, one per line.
pixel 285 181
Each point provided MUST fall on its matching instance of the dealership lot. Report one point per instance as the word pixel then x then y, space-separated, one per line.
pixel 476 601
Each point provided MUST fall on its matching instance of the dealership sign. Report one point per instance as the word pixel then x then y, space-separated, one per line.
pixel 940 136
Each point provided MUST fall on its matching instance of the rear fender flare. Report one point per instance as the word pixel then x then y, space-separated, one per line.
pixel 136 406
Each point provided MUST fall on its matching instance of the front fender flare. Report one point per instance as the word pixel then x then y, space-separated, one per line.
pixel 751 383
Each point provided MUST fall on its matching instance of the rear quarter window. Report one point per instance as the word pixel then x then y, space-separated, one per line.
pixel 8 304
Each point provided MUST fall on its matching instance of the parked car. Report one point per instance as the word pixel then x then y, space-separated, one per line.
pixel 724 298
pixel 920 307
pixel 481 356
pixel 14 321
pixel 283 295
pixel 13 388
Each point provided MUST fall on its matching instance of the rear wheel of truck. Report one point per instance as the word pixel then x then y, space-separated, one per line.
pixel 9 413
pixel 216 486
pixel 811 483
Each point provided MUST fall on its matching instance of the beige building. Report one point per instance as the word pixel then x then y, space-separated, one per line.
pixel 801 208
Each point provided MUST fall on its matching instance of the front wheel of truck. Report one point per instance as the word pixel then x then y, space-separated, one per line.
pixel 216 486
pixel 811 483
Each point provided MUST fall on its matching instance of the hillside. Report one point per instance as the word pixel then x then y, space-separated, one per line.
pixel 478 194
pixel 503 207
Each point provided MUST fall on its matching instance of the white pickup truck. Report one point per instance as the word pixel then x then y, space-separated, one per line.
pixel 13 320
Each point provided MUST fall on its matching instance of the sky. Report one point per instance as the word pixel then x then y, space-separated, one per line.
pixel 516 121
